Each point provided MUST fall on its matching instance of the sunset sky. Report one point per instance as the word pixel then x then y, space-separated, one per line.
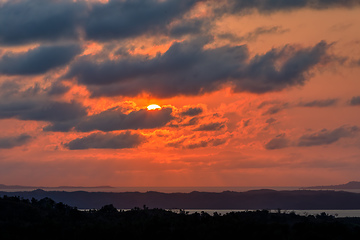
pixel 251 92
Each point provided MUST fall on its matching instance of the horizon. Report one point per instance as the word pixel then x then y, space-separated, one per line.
pixel 179 93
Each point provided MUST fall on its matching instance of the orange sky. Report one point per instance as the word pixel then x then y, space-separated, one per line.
pixel 251 95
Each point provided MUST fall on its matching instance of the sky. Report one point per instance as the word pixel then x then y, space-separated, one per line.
pixel 250 92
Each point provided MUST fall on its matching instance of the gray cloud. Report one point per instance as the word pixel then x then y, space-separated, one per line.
pixel 38 60
pixel 189 69
pixel 27 21
pixel 192 111
pixel 216 126
pixel 189 26
pixel 52 111
pixel 320 103
pixel 107 140
pixel 269 6
pixel 355 101
pixel 278 142
pixel 114 119
pixel 325 137
pixel 11 142
pixel 121 19
pixel 253 35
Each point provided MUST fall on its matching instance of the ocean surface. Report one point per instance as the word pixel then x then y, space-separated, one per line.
pixel 335 213
pixel 161 189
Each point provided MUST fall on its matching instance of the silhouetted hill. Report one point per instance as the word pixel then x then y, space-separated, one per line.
pixel 349 185
pixel 46 219
pixel 3 186
pixel 256 199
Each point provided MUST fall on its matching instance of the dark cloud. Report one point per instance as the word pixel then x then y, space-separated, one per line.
pixel 320 103
pixel 263 75
pixel 271 120
pixel 38 60
pixel 51 111
pixel 121 19
pixel 192 111
pixel 11 142
pixel 114 119
pixel 276 108
pixel 189 69
pixel 27 21
pixel 355 101
pixel 325 137
pixel 57 88
pixel 278 142
pixel 216 126
pixel 269 6
pixel 189 26
pixel 253 35
pixel 107 140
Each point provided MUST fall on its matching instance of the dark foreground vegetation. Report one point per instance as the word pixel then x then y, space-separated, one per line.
pixel 46 219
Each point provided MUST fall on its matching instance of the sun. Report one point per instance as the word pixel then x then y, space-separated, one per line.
pixel 153 107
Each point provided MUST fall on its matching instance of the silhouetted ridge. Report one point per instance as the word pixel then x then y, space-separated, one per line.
pixel 47 219
pixel 255 199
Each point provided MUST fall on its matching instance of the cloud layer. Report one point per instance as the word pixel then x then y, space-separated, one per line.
pixel 107 141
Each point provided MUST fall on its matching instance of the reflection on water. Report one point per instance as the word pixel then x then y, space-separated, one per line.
pixel 336 213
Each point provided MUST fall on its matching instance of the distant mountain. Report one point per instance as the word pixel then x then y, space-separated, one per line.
pixel 2 186
pixel 255 199
pixel 349 185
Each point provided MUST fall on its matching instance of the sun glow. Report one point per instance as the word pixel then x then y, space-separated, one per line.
pixel 153 107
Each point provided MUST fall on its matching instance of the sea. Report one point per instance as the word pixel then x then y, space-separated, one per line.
pixel 335 213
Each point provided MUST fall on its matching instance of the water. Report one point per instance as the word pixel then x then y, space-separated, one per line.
pixel 146 189
pixel 336 213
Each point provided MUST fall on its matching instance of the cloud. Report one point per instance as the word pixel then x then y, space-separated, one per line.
pixel 187 68
pixel 192 111
pixel 277 143
pixel 11 142
pixel 38 60
pixel 253 35
pixel 107 140
pixel 122 19
pixel 320 103
pixel 216 126
pixel 325 137
pixel 189 26
pixel 25 109
pixel 114 119
pixel 269 6
pixel 355 101
pixel 27 21
pixel 276 108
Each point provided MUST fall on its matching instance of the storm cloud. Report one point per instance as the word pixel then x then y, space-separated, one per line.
pixel 186 68
pixel 107 140
pixel 38 60
pixel 14 141
pixel 325 137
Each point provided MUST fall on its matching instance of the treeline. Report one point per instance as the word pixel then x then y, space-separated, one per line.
pixel 45 219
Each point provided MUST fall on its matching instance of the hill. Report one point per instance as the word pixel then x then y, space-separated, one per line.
pixel 256 199
pixel 349 185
